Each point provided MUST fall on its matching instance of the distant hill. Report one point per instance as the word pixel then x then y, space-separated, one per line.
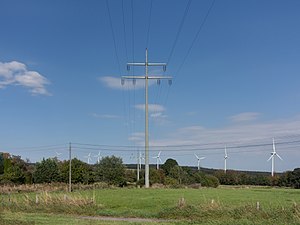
pixel 208 170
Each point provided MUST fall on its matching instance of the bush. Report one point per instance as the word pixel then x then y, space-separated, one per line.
pixel 171 181
pixel 212 181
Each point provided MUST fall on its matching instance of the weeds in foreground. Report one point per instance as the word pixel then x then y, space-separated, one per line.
pixel 216 211
pixel 213 210
pixel 51 203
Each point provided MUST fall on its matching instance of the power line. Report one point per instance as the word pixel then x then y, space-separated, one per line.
pixel 124 30
pixel 179 29
pixel 194 148
pixel 149 23
pixel 132 30
pixel 297 136
pixel 113 35
pixel 39 147
pixel 196 37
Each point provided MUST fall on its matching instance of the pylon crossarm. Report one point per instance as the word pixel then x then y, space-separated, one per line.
pixel 157 77
pixel 136 64
pixel 157 64
pixel 149 77
pixel 133 77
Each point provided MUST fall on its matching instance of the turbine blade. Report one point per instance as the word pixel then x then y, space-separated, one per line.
pixel 196 156
pixel 202 158
pixel 279 156
pixel 159 154
pixel 274 149
pixel 270 157
pixel 160 160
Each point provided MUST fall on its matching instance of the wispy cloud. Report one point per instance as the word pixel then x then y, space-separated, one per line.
pixel 16 73
pixel 137 137
pixel 192 113
pixel 105 116
pixel 236 133
pixel 156 112
pixel 152 108
pixel 115 83
pixel 244 117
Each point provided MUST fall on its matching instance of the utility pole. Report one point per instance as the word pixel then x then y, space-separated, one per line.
pixel 146 77
pixel 138 166
pixel 70 168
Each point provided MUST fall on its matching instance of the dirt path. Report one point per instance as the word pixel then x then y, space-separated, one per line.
pixel 107 218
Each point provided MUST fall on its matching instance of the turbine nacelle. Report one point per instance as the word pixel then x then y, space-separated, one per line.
pixel 199 159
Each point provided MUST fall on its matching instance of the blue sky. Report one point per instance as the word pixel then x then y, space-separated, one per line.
pixel 239 85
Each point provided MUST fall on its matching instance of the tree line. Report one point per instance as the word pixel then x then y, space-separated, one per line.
pixel 111 170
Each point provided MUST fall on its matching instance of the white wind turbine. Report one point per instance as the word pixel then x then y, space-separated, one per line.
pixel 98 156
pixel 273 154
pixel 140 160
pixel 57 154
pixel 225 160
pixel 199 159
pixel 158 159
pixel 88 158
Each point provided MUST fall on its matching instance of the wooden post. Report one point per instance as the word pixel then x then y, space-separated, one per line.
pixel 36 199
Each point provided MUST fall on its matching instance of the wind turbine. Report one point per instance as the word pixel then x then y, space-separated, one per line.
pixel 98 156
pixel 158 159
pixel 225 160
pixel 140 160
pixel 88 158
pixel 57 154
pixel 273 154
pixel 199 159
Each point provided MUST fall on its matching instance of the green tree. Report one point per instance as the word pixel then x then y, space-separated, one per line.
pixel 111 170
pixel 81 171
pixel 168 165
pixel 295 178
pixel 1 163
pixel 179 174
pixel 13 169
pixel 156 176
pixel 46 171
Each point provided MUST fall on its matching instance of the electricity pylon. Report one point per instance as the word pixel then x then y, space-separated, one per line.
pixel 146 77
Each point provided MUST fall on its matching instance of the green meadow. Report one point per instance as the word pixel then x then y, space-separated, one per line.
pixel 223 205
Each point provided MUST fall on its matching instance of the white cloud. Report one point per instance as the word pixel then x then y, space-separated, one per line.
pixel 152 108
pixel 16 73
pixel 138 137
pixel 245 117
pixel 241 133
pixel 158 115
pixel 105 116
pixel 156 112
pixel 115 83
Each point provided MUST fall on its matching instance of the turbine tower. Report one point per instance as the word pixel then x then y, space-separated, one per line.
pixel 199 159
pixel 140 160
pixel 98 156
pixel 88 158
pixel 158 159
pixel 273 154
pixel 225 160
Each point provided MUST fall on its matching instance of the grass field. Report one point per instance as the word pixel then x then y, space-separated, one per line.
pixel 224 205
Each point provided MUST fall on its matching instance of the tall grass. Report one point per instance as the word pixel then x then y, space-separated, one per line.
pixel 277 206
pixel 50 203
